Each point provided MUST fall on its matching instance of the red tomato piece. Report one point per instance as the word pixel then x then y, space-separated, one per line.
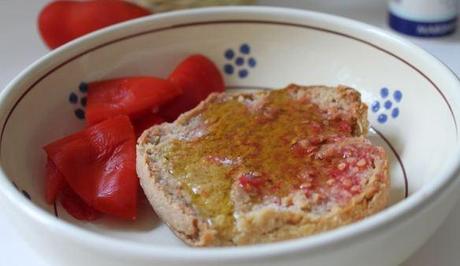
pixel 344 126
pixel 62 21
pixel 146 121
pixel 54 182
pixel 251 182
pixel 197 76
pixel 133 96
pixel 98 163
pixel 75 206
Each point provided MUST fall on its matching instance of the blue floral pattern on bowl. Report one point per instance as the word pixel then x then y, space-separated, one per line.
pixel 78 99
pixel 387 106
pixel 239 62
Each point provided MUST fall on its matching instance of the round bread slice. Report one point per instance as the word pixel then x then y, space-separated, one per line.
pixel 245 168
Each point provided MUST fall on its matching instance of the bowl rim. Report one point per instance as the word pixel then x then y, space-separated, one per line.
pixel 397 213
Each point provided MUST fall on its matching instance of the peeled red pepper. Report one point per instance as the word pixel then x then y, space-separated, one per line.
pixel 75 206
pixel 93 171
pixel 98 164
pixel 58 189
pixel 146 121
pixel 198 77
pixel 133 96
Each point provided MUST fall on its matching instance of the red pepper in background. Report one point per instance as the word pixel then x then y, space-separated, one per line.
pixel 133 96
pixel 98 164
pixel 198 77
pixel 62 21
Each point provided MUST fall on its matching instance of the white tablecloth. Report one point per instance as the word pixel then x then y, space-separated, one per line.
pixel 20 45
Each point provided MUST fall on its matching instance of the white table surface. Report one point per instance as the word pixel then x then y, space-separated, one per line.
pixel 20 45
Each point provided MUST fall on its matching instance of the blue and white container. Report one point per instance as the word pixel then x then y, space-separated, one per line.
pixel 424 18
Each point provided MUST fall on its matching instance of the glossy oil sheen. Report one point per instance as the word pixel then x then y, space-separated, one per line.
pixel 260 142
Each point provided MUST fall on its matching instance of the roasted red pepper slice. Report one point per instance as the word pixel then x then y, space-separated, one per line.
pixel 146 121
pixel 197 76
pixel 62 21
pixel 54 182
pixel 133 96
pixel 98 163
pixel 56 187
pixel 75 206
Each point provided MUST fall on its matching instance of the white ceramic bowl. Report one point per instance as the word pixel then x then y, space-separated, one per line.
pixel 414 111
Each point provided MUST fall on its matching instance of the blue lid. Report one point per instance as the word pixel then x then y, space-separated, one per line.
pixel 422 29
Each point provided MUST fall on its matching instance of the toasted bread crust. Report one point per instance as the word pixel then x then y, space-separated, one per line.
pixel 265 223
pixel 170 206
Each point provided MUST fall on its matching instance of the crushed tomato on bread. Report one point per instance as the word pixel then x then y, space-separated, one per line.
pixel 261 167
